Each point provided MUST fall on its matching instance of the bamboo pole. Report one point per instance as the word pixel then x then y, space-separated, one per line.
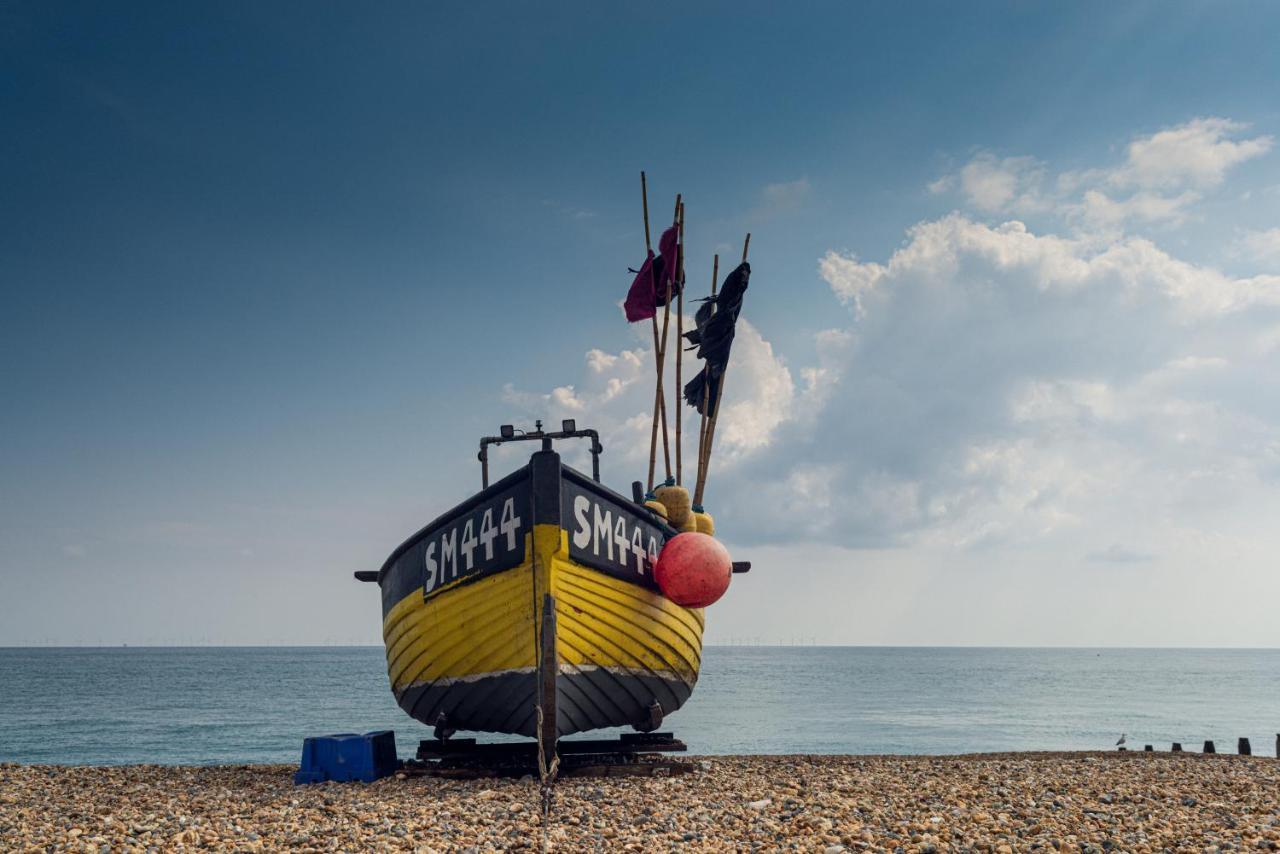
pixel 659 351
pixel 715 414
pixel 679 346
pixel 644 200
pixel 706 387
pixel 659 404
pixel 662 354
pixel 648 250
pixel 708 440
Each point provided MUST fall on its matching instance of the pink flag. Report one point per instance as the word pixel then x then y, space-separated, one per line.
pixel 666 267
pixel 642 299
pixel 649 289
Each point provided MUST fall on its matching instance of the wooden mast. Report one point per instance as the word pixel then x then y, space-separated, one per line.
pixel 648 251
pixel 706 386
pixel 669 275
pixel 679 342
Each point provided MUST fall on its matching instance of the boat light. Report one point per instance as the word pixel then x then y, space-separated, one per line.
pixel 569 425
pixel 508 431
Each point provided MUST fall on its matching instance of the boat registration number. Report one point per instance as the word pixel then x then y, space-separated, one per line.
pixel 485 539
pixel 607 537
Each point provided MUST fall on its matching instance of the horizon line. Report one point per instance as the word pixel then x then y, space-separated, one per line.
pixel 6 647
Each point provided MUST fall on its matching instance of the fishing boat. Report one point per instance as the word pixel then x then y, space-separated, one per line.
pixel 538 593
pixel 548 604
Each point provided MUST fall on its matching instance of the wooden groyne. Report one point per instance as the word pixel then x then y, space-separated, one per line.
pixel 1243 747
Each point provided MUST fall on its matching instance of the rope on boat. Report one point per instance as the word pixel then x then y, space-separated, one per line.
pixel 547 778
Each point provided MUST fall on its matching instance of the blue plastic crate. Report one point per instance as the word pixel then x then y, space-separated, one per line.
pixel 348 756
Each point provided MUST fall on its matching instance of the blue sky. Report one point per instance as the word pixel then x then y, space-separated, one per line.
pixel 267 272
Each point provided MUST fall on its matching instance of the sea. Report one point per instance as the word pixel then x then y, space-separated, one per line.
pixel 241 705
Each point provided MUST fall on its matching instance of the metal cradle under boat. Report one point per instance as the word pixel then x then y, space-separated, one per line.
pixel 538 592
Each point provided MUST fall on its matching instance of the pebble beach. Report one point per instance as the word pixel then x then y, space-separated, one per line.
pixel 992 803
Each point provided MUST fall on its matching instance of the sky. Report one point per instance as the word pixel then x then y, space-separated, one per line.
pixel 1006 373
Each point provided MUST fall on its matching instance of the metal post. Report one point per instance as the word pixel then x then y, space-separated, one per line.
pixel 1177 747
pixel 1209 748
pixel 1243 748
pixel 546 438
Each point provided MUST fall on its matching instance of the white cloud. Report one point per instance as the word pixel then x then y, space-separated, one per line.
pixel 851 280
pixel 992 184
pixel 1195 154
pixel 1101 210
pixel 1261 246
pixel 618 394
pixel 1160 180
pixel 759 396
pixel 569 211
pixel 994 387
pixel 997 386
pixel 822 380
pixel 782 198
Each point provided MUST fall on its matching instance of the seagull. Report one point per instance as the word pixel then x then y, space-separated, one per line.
pixel 1121 741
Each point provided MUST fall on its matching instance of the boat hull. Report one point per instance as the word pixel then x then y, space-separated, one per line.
pixel 535 600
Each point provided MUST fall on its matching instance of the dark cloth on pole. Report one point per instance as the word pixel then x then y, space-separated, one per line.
pixel 700 390
pixel 649 287
pixel 715 324
pixel 717 317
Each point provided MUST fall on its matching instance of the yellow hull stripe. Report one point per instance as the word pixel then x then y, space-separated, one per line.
pixel 490 626
pixel 616 624
pixel 471 630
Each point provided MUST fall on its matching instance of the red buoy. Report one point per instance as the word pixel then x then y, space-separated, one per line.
pixel 693 569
